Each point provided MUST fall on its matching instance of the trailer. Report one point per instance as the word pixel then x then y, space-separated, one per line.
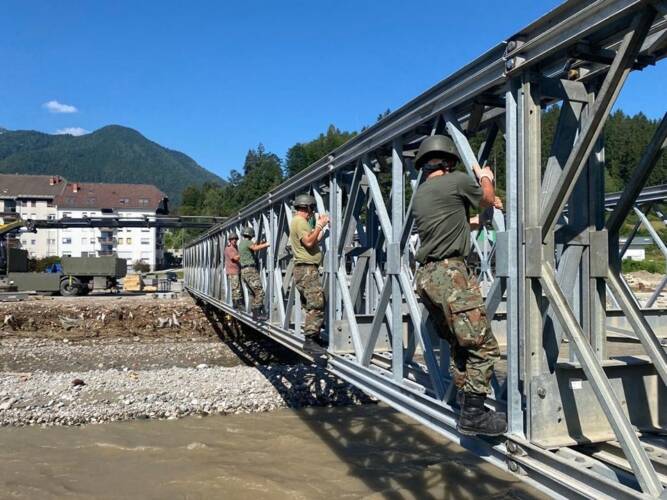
pixel 76 276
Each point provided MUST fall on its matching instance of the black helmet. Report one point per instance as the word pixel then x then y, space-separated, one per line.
pixel 248 231
pixel 304 200
pixel 435 145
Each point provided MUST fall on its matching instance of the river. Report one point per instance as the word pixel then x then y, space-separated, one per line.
pixel 350 452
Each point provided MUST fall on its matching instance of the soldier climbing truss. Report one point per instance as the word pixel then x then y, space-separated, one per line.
pixel 581 423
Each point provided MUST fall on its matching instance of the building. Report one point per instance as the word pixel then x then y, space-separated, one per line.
pixel 32 197
pixel 79 200
pixel 637 248
pixel 40 197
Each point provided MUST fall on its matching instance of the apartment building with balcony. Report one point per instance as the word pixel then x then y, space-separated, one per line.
pixel 41 197
pixel 84 199
pixel 32 197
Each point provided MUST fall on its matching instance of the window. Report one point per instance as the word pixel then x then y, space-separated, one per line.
pixel 145 241
pixel 67 254
pixel 51 217
pixel 67 241
pixel 143 202
pixel 84 241
pixel 51 241
pixel 67 214
pixel 32 242
pixel 92 241
pixel 120 241
pixel 124 201
pixel 128 241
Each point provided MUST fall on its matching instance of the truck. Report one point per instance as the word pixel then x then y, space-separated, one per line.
pixel 74 276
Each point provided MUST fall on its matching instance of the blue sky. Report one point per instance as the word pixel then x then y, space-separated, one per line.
pixel 213 79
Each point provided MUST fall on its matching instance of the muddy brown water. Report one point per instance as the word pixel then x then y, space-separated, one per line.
pixel 353 452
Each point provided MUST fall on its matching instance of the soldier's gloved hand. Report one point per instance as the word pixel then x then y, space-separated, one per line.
pixel 486 172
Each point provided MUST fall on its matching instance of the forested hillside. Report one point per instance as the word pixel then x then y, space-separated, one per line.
pixel 110 154
pixel 626 136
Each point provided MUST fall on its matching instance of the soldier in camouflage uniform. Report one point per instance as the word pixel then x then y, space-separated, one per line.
pixel 233 270
pixel 305 236
pixel 447 289
pixel 249 273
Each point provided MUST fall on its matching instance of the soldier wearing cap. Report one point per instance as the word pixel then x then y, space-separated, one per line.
pixel 233 270
pixel 305 236
pixel 450 293
pixel 249 273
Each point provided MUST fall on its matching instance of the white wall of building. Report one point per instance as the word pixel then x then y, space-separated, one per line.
pixel 132 244
pixel 43 243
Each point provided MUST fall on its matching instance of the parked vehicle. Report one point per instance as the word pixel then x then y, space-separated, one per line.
pixel 74 275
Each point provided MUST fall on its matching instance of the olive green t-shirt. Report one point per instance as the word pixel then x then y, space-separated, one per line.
pixel 302 255
pixel 247 256
pixel 441 213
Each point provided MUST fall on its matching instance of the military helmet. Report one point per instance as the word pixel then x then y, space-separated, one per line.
pixel 248 231
pixel 233 236
pixel 304 200
pixel 431 146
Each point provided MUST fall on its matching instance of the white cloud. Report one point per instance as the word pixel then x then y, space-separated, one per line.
pixel 72 131
pixel 58 107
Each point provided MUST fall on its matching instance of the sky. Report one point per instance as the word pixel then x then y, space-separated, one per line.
pixel 215 78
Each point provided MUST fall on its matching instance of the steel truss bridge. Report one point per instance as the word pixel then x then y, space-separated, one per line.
pixel 582 423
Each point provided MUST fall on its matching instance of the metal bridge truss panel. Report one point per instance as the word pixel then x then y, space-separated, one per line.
pixel 581 423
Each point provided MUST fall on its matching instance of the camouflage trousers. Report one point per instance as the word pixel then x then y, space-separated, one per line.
pixel 307 281
pixel 250 277
pixel 234 281
pixel 455 304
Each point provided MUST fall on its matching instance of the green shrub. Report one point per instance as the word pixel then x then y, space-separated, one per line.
pixel 650 266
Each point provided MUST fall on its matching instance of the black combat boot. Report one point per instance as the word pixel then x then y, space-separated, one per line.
pixel 476 419
pixel 258 313
pixel 312 347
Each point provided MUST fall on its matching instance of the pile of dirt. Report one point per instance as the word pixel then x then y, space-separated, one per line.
pixel 104 317
pixel 643 281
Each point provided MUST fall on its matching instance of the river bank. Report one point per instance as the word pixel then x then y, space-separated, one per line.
pixel 93 360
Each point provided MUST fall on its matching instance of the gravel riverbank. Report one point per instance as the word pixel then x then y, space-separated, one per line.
pixel 71 398
pixel 65 362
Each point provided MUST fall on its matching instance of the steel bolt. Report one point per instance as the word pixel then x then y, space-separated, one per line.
pixel 511 45
pixel 514 467
pixel 509 64
pixel 542 392
pixel 512 447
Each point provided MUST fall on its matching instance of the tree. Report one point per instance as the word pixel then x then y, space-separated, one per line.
pixel 140 266
pixel 301 155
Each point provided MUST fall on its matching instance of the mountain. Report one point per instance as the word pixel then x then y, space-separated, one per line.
pixel 110 154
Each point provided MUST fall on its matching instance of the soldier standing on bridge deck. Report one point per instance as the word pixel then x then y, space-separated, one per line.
pixel 233 270
pixel 249 273
pixel 448 290
pixel 305 236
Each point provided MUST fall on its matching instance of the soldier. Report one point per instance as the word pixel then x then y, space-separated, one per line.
pixel 233 270
pixel 249 274
pixel 446 287
pixel 305 235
